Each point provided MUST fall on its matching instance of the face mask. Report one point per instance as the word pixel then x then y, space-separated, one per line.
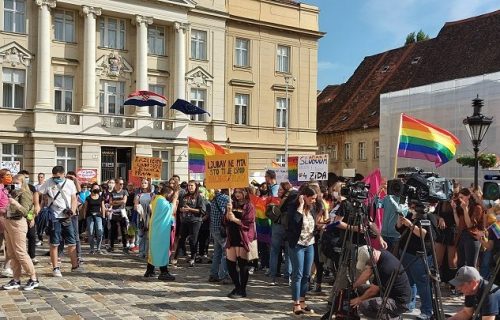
pixel 58 179
pixel 7 180
pixel 17 186
pixel 95 191
pixel 335 194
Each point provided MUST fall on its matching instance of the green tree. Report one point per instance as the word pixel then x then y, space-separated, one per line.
pixel 413 37
pixel 410 38
pixel 421 36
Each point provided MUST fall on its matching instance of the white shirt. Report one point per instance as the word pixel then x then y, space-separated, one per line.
pixel 50 188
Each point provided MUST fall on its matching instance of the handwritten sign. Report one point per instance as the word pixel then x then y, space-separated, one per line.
pixel 147 167
pixel 313 167
pixel 86 175
pixel 226 171
pixel 13 166
pixel 281 174
pixel 136 181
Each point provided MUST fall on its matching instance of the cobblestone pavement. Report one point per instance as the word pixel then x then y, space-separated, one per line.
pixel 113 287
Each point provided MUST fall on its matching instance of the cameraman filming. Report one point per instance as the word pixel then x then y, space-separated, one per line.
pixel 472 285
pixel 413 259
pixel 369 302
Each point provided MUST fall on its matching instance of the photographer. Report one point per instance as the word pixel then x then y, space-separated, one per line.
pixel 472 285
pixel 412 259
pixel 62 198
pixel 369 302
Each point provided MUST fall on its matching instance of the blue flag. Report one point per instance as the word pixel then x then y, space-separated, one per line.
pixel 187 108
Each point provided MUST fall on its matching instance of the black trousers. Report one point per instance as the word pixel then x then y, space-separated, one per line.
pixel 115 224
pixel 150 268
pixel 191 229
pixel 203 241
pixel 32 238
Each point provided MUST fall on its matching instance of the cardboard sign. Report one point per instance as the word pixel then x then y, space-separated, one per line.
pixel 136 181
pixel 13 166
pixel 147 167
pixel 86 176
pixel 281 174
pixel 226 171
pixel 313 167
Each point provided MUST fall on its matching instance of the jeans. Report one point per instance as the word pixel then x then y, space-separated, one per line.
pixel 74 223
pixel 143 243
pixel 484 270
pixel 302 260
pixel 419 282
pixel 468 250
pixel 62 231
pixel 94 228
pixel 277 241
pixel 219 265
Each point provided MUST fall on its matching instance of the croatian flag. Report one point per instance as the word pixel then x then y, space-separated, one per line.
pixel 145 98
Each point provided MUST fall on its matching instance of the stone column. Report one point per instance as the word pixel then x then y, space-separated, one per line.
pixel 44 59
pixel 141 68
pixel 180 65
pixel 89 58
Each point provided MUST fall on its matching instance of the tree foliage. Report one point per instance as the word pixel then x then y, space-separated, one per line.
pixel 486 160
pixel 413 37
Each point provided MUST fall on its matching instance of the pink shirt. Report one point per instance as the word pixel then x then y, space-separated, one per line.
pixel 4 199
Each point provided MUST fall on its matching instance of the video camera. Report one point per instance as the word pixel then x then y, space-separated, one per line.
pixel 357 190
pixel 417 185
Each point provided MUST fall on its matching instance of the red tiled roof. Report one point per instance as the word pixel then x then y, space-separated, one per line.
pixel 462 49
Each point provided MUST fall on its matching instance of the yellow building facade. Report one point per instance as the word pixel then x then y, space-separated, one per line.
pixel 68 65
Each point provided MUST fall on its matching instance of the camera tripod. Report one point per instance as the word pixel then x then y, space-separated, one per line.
pixel 486 291
pixel 432 272
pixel 342 290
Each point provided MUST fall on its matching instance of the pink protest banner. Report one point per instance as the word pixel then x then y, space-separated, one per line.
pixel 86 176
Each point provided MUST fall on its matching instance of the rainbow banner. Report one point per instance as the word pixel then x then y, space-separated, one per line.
pixel 422 140
pixel 495 227
pixel 198 149
pixel 293 169
pixel 262 223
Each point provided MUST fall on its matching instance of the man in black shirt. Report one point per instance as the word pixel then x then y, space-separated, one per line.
pixel 472 285
pixel 370 300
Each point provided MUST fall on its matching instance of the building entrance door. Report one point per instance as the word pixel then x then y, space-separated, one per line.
pixel 115 163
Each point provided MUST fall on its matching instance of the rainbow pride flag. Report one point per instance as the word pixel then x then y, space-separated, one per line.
pixel 422 140
pixel 262 223
pixel 198 149
pixel 293 169
pixel 495 227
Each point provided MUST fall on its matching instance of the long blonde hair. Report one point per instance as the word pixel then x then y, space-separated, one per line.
pixel 24 185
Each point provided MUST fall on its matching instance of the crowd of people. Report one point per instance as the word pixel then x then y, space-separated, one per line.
pixel 307 226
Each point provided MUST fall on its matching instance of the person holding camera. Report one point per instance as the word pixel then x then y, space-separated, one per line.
pixel 62 205
pixel 472 285
pixel 16 227
pixel 413 259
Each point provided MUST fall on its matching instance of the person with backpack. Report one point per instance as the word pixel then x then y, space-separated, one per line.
pixel 218 270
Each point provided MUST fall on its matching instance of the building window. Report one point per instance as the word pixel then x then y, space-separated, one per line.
pixel 164 156
pixel 281 112
pixel 14 16
pixel 66 157
pixel 281 160
pixel 241 108
pixel 347 151
pixel 12 152
pixel 13 88
pixel 376 149
pixel 198 44
pixel 112 97
pixel 283 59
pixel 242 52
pixel 362 150
pixel 198 98
pixel 157 111
pixel 64 26
pixel 112 32
pixel 156 40
pixel 63 93
pixel 333 151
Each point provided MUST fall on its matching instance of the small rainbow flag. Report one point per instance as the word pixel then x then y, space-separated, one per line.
pixel 198 149
pixel 495 227
pixel 293 169
pixel 262 223
pixel 422 140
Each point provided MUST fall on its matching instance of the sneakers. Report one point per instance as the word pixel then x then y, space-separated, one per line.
pixel 56 272
pixel 251 270
pixel 7 273
pixel 424 316
pixel 77 269
pixel 166 276
pixel 236 294
pixel 213 279
pixel 35 261
pixel 273 283
pixel 38 243
pixel 100 252
pixel 149 274
pixel 191 263
pixel 31 284
pixel 13 284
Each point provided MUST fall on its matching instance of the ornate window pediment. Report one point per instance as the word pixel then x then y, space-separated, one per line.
pixel 113 66
pixel 13 55
pixel 199 77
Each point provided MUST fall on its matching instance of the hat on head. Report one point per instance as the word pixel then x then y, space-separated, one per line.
pixel 363 257
pixel 464 275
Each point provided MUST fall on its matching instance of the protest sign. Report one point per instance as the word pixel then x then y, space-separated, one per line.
pixel 147 167
pixel 281 174
pixel 226 171
pixel 86 175
pixel 136 181
pixel 13 166
pixel 313 167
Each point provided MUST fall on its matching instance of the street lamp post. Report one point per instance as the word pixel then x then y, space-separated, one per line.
pixel 287 116
pixel 477 125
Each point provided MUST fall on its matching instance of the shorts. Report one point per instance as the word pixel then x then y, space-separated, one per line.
pixel 446 236
pixel 62 229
